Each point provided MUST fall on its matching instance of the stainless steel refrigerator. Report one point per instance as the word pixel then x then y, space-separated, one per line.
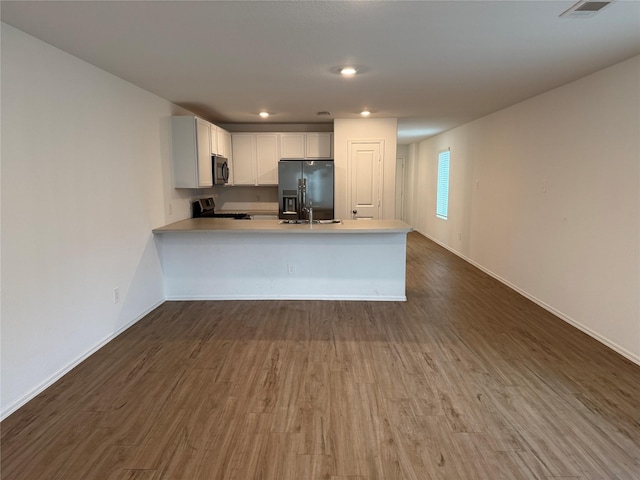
pixel 305 184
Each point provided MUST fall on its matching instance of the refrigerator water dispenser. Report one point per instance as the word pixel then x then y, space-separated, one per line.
pixel 290 202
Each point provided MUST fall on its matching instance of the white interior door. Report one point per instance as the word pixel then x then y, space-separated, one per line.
pixel 365 165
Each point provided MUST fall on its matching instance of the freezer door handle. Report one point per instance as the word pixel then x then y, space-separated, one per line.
pixel 303 204
pixel 299 209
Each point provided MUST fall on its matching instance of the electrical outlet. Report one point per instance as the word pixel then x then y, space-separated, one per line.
pixel 291 269
pixel 116 295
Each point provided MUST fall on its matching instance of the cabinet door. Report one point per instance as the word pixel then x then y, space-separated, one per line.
pixel 226 142
pixel 319 145
pixel 292 145
pixel 244 151
pixel 215 149
pixel 267 156
pixel 222 147
pixel 203 140
pixel 227 152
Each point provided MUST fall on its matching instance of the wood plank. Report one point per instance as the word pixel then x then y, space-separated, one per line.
pixel 465 380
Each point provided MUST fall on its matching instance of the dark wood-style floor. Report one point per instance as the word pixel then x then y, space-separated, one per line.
pixel 466 380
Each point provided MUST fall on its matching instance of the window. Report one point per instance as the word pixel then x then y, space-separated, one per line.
pixel 442 193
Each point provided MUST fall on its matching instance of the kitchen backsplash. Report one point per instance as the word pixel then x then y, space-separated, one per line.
pixel 246 199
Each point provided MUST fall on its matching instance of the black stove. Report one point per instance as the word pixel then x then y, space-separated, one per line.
pixel 205 207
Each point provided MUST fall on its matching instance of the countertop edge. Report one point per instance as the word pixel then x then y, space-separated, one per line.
pixel 274 227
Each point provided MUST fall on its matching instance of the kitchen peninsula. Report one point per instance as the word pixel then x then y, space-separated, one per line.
pixel 224 259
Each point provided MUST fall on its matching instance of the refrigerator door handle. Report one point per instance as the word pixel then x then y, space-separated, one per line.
pixel 303 205
pixel 299 198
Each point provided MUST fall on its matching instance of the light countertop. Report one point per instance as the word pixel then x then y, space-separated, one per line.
pixel 274 226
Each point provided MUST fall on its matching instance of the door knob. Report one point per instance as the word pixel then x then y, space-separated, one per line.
pixel 355 212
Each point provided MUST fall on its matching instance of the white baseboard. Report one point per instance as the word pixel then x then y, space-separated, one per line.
pixel 348 298
pixel 572 321
pixel 60 373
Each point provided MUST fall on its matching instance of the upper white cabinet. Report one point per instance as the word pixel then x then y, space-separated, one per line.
pixel 256 155
pixel 191 151
pixel 267 157
pixel 292 145
pixel 306 145
pixel 255 158
pixel 319 145
pixel 223 142
pixel 224 150
pixel 244 158
pixel 215 149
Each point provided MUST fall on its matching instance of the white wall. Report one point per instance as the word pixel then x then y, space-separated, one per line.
pixel 546 196
pixel 411 194
pixel 402 154
pixel 344 130
pixel 85 177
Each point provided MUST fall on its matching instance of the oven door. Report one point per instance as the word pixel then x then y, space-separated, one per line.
pixel 220 170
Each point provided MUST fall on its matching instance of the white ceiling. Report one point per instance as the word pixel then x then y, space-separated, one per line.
pixel 432 64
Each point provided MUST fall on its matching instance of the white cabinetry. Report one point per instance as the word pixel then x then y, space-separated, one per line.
pixel 255 158
pixel 223 142
pixel 244 158
pixel 306 145
pixel 215 149
pixel 256 155
pixel 292 145
pixel 191 151
pixel 267 157
pixel 319 145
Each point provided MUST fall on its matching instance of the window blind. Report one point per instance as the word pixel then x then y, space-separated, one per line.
pixel 442 194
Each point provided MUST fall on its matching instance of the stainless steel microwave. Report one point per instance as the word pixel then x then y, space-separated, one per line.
pixel 220 170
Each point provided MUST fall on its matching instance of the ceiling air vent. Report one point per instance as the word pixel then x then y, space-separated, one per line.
pixel 584 9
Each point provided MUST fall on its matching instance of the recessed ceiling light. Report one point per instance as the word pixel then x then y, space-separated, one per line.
pixel 264 114
pixel 348 71
pixel 365 113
